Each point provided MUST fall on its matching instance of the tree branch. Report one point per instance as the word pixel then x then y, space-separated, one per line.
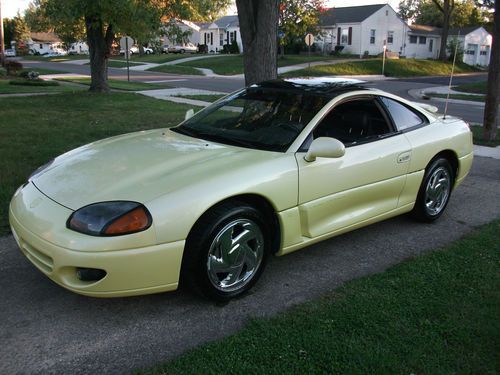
pixel 438 5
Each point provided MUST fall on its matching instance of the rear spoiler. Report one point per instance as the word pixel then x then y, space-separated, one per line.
pixel 427 107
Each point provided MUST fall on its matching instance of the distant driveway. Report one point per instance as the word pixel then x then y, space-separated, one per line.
pixel 46 329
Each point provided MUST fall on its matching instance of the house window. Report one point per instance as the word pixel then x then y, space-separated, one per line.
pixel 390 37
pixel 413 39
pixel 205 38
pixel 431 44
pixel 422 40
pixel 386 12
pixel 345 34
pixel 211 38
pixel 41 46
pixel 483 53
pixel 233 36
pixel 372 36
pixel 221 39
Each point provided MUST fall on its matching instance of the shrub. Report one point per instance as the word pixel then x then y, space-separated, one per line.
pixel 450 48
pixel 33 82
pixel 3 72
pixel 31 74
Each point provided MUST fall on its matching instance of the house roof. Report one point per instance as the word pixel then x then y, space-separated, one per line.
pixel 45 37
pixel 424 30
pixel 227 21
pixel 463 30
pixel 354 14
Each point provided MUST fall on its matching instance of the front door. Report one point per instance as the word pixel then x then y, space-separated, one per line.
pixel 366 182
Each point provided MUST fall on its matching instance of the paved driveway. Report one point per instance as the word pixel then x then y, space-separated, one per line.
pixel 44 328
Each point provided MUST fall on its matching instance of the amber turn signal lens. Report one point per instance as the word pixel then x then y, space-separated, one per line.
pixel 134 221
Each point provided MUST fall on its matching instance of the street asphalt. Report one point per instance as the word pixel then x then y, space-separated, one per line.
pixel 46 329
pixel 228 84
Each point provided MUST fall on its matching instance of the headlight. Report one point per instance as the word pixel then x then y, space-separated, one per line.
pixel 110 218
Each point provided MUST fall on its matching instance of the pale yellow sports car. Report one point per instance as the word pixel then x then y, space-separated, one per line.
pixel 267 170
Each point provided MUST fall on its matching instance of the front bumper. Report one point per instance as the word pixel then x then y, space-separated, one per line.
pixel 58 252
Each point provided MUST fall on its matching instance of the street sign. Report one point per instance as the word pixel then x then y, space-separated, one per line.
pixel 126 40
pixel 309 39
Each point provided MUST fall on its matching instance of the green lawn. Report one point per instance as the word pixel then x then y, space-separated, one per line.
pixel 121 64
pixel 436 314
pixel 393 68
pixel 477 132
pixel 159 59
pixel 120 84
pixel 224 65
pixel 474 98
pixel 54 59
pixel 233 64
pixel 176 69
pixel 43 71
pixel 6 88
pixel 474 88
pixel 35 129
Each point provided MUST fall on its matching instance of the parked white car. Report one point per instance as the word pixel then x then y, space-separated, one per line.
pixel 134 50
pixel 56 52
pixel 183 48
pixel 10 53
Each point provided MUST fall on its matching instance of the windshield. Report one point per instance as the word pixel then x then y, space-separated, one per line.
pixel 257 118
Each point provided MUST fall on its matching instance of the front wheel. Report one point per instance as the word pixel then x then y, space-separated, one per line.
pixel 226 252
pixel 435 191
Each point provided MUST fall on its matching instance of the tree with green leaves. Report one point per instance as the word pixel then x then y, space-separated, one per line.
pixel 22 34
pixel 297 18
pixel 104 20
pixel 8 31
pixel 466 13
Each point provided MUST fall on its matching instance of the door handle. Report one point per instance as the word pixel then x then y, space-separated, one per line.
pixel 404 157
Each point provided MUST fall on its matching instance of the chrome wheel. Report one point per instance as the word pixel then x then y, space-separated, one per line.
pixel 437 191
pixel 235 255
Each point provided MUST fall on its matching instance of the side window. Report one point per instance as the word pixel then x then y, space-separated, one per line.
pixel 352 122
pixel 402 116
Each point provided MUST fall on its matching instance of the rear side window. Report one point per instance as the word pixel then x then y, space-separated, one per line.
pixel 402 116
pixel 353 122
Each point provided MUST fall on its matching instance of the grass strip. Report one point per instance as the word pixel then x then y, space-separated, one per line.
pixel 473 98
pixel 393 68
pixel 6 87
pixel 30 137
pixel 474 87
pixel 176 69
pixel 120 85
pixel 436 314
pixel 477 133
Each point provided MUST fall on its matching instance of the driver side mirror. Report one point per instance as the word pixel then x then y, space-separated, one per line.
pixel 189 114
pixel 324 147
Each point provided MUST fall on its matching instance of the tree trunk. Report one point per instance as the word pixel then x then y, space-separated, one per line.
pixel 444 32
pixel 446 9
pixel 99 51
pixel 259 34
pixel 493 93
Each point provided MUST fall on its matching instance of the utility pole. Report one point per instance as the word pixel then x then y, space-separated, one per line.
pixel 2 46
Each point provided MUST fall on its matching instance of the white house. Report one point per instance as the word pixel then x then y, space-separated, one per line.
pixel 43 43
pixel 362 30
pixel 225 30
pixel 424 42
pixel 184 25
pixel 79 48
pixel 476 42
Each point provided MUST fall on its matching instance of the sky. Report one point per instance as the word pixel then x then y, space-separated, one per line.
pixel 10 7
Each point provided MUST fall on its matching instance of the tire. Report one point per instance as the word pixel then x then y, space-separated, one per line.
pixel 183 51
pixel 435 190
pixel 226 251
pixel 148 52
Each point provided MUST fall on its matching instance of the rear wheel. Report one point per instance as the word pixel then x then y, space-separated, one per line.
pixel 226 251
pixel 435 191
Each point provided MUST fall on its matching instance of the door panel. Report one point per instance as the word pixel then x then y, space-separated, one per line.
pixel 365 182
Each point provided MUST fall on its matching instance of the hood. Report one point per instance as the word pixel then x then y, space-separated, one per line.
pixel 137 167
